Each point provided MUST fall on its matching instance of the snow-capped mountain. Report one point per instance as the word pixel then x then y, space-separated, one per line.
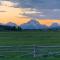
pixel 33 24
pixel 54 26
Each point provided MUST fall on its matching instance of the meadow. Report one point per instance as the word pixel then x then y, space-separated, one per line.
pixel 29 37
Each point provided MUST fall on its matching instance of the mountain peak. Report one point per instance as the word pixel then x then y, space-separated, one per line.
pixel 54 25
pixel 32 24
pixel 11 24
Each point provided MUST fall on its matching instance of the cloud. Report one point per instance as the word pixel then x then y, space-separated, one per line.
pixel 3 11
pixel 39 4
pixel 51 13
pixel 6 11
pixel 30 12
pixel 48 9
pixel 7 3
pixel 44 13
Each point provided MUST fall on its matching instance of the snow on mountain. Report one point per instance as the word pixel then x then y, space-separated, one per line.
pixel 33 24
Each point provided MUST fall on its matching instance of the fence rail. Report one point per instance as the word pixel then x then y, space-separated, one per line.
pixel 33 50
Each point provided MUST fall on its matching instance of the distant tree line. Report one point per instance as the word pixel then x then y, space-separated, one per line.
pixel 9 28
pixel 18 28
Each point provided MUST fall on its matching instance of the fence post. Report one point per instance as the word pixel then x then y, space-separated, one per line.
pixel 34 51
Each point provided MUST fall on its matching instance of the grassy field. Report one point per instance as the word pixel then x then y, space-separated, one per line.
pixel 29 38
pixel 30 58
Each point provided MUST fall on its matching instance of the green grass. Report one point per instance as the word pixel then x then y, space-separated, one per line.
pixel 29 58
pixel 29 38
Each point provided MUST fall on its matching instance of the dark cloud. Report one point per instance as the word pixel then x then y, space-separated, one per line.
pixel 40 4
pixel 51 13
pixel 46 13
pixel 45 6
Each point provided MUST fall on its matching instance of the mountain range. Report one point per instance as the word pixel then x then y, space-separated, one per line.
pixel 33 24
pixel 11 24
pixel 54 26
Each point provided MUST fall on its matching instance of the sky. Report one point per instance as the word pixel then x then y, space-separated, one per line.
pixel 22 11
